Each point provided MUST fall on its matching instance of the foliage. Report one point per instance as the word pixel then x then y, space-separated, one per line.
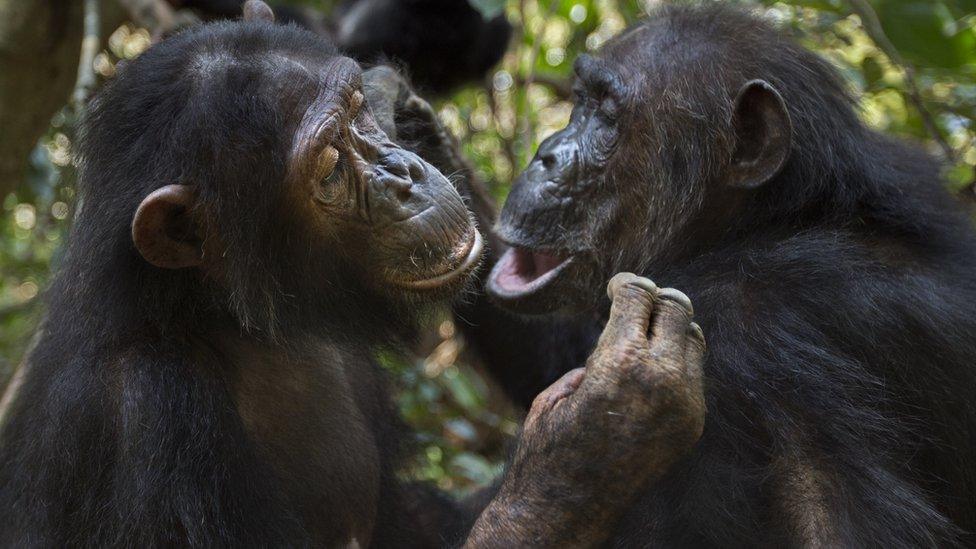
pixel 914 72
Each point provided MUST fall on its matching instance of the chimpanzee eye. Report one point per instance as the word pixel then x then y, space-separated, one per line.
pixel 335 176
pixel 608 108
pixel 355 104
pixel 325 164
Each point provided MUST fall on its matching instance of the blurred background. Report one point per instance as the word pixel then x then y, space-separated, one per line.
pixel 911 64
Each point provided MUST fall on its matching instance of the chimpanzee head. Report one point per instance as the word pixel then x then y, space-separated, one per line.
pixel 681 128
pixel 248 167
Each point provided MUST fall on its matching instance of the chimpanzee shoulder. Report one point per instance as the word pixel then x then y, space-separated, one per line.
pixel 827 263
pixel 204 373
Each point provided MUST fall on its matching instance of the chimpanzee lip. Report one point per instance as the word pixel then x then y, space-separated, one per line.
pixel 472 255
pixel 523 271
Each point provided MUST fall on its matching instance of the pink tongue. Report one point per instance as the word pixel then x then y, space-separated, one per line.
pixel 519 268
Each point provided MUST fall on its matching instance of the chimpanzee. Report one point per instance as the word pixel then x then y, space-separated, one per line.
pixel 442 43
pixel 830 269
pixel 247 236
pixel 285 14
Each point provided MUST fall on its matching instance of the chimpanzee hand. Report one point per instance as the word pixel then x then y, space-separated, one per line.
pixel 599 435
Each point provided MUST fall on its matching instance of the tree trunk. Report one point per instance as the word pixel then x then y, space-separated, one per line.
pixel 40 44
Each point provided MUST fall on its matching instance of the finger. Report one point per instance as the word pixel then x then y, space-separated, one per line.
pixel 678 297
pixel 630 312
pixel 420 108
pixel 562 388
pixel 673 312
pixel 620 279
pixel 256 10
pixel 695 350
pixel 382 86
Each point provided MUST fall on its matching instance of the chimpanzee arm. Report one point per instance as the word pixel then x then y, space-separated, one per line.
pixel 523 355
pixel 570 479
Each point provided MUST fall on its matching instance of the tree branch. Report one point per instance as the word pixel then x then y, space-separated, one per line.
pixel 872 26
pixel 86 81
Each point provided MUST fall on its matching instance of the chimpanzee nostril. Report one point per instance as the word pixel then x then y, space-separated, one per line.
pixel 404 192
pixel 417 170
pixel 394 165
pixel 548 160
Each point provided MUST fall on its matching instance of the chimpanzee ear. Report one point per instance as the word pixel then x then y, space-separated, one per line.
pixel 164 231
pixel 763 136
pixel 256 10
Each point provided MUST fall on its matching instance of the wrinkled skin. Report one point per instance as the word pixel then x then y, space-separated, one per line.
pixel 567 185
pixel 641 383
pixel 420 234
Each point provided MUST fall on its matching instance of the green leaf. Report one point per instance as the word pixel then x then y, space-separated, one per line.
pixel 822 5
pixel 873 73
pixel 925 33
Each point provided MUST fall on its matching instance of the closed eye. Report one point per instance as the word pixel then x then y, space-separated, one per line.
pixel 336 175
pixel 326 163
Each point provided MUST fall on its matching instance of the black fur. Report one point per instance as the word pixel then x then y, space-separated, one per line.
pixel 442 43
pixel 127 430
pixel 838 302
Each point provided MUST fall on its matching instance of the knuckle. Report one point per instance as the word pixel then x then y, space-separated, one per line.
pixel 631 282
pixel 633 293
pixel 697 336
pixel 674 310
pixel 677 298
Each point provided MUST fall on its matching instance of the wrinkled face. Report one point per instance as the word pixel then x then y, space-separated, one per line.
pixel 562 206
pixel 392 215
pixel 285 195
pixel 662 149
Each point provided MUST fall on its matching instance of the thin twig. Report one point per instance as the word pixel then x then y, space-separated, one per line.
pixel 16 308
pixel 86 81
pixel 872 25
pixel 508 144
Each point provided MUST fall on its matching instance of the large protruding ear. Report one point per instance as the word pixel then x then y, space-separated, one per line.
pixel 256 10
pixel 763 136
pixel 164 230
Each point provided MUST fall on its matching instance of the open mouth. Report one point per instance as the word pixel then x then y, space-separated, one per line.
pixel 472 255
pixel 522 271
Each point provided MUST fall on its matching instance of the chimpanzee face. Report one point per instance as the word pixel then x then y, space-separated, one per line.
pixel 385 206
pixel 562 204
pixel 658 147
pixel 301 195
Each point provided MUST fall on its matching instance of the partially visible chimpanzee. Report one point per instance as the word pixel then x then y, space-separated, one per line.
pixel 215 10
pixel 832 272
pixel 442 43
pixel 247 237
